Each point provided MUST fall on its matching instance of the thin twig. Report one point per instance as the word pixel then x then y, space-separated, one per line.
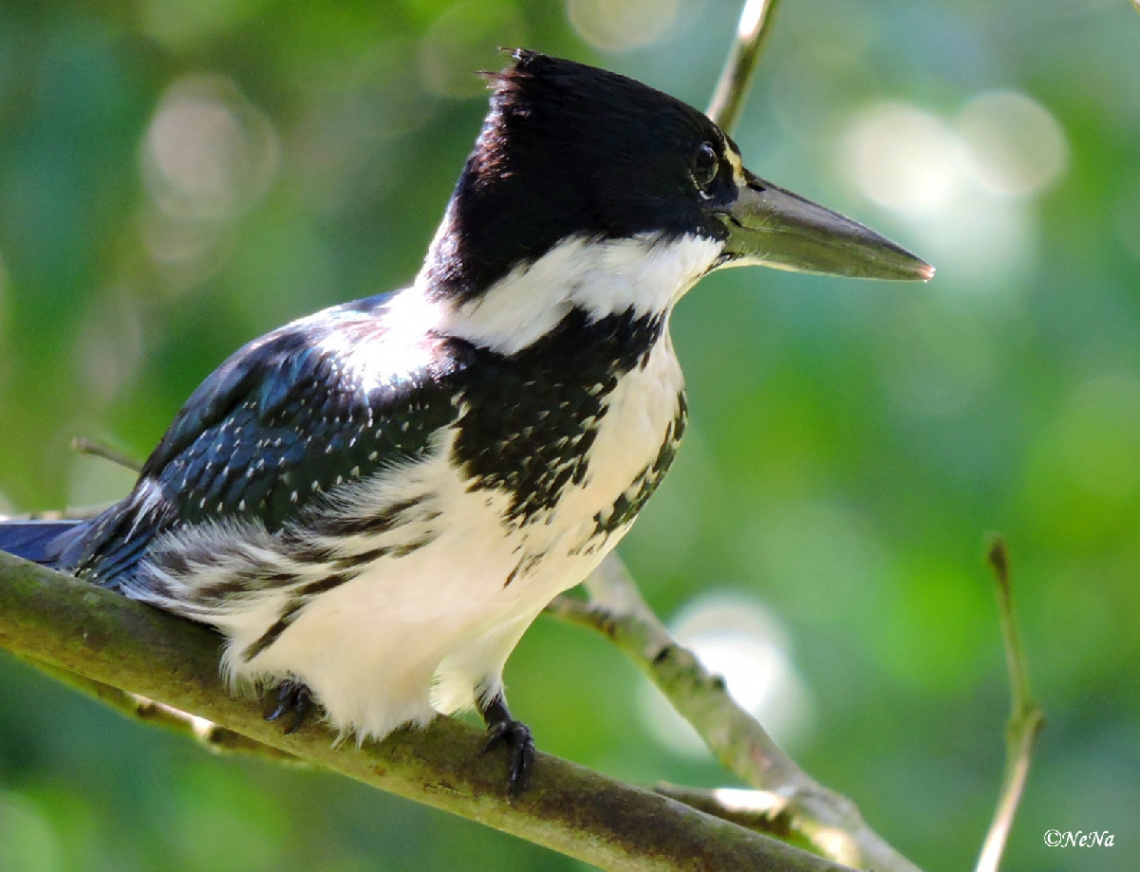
pixel 1025 721
pixel 830 823
pixel 97 449
pixel 736 78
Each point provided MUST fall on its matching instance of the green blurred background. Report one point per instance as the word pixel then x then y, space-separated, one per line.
pixel 177 178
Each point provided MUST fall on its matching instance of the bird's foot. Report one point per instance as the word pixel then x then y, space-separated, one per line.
pixel 294 698
pixel 502 728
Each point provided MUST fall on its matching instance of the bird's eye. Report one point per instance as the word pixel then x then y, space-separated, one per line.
pixel 705 165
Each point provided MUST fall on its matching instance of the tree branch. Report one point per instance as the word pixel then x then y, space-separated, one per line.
pixel 791 799
pixel 118 643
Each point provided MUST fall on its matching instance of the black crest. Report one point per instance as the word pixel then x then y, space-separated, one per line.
pixel 571 150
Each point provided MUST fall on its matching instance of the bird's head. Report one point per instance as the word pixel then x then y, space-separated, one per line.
pixel 608 172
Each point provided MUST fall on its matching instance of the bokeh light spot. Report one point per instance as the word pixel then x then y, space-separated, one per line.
pixel 465 39
pixel 625 26
pixel 208 152
pixel 1016 146
pixel 738 639
pixel 968 207
pixel 905 159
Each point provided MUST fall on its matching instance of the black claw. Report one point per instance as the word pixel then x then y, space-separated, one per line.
pixel 295 697
pixel 516 735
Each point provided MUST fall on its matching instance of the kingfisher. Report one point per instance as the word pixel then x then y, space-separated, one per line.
pixel 371 504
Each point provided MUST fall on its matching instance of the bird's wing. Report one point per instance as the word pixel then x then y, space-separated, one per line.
pixel 284 421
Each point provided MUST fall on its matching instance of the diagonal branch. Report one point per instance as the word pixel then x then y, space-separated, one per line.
pixel 115 642
pixel 785 795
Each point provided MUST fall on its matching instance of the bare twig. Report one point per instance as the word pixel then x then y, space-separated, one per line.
pixel 830 823
pixel 97 449
pixel 1025 721
pixel 736 78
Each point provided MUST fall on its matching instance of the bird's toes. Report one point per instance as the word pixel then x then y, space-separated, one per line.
pixel 520 748
pixel 291 698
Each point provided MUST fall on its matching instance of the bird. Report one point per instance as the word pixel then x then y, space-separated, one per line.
pixel 371 504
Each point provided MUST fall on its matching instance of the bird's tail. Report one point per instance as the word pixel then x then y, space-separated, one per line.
pixel 38 541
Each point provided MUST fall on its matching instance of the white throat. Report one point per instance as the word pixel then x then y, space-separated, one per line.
pixel 643 275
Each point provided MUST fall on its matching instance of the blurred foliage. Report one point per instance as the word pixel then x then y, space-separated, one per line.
pixel 176 178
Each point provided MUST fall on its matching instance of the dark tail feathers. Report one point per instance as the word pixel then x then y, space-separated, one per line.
pixel 35 540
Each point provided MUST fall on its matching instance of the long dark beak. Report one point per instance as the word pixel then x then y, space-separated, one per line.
pixel 770 226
